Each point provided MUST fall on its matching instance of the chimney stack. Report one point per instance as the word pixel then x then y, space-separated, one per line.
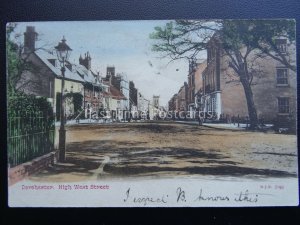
pixel 30 37
pixel 110 73
pixel 86 61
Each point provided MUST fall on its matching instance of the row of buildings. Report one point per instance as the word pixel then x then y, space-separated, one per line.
pixel 213 86
pixel 112 96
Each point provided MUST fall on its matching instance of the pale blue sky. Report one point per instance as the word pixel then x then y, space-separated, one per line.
pixel 124 44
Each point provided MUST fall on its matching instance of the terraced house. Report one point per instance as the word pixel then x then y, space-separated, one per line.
pixel 44 79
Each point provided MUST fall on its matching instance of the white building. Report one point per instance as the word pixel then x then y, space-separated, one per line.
pixel 124 88
pixel 143 106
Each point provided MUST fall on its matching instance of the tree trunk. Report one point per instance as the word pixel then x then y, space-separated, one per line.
pixel 250 103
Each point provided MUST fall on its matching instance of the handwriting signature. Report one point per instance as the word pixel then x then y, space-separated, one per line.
pixel 145 200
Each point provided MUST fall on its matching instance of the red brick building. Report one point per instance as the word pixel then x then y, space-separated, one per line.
pixel 195 87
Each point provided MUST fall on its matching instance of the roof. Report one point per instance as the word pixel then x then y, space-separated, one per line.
pixel 87 75
pixel 45 56
pixel 116 94
pixel 78 73
pixel 106 94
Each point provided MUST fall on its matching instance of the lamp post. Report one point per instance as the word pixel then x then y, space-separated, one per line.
pixel 63 52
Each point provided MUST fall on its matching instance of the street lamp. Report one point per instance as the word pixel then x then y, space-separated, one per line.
pixel 63 52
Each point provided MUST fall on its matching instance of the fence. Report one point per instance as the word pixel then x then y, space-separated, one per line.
pixel 29 137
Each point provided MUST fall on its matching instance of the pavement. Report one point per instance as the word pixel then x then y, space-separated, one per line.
pixel 234 126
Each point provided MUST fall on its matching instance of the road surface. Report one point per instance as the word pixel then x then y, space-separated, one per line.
pixel 161 150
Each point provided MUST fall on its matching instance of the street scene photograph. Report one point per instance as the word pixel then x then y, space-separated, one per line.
pixel 156 101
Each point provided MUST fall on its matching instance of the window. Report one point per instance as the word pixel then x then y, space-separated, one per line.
pixel 213 53
pixel 283 105
pixel 213 104
pixel 282 78
pixel 281 45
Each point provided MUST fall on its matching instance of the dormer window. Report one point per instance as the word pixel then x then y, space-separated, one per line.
pixel 281 45
pixel 69 66
pixel 53 62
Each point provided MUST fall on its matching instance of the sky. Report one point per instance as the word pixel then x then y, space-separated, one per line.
pixel 123 44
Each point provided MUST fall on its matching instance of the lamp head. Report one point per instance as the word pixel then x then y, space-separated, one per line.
pixel 63 50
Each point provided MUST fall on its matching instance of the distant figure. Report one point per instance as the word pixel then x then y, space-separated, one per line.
pixel 200 121
pixel 228 119
pixel 130 117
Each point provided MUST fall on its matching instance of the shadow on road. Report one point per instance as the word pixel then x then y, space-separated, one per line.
pixel 132 159
pixel 227 170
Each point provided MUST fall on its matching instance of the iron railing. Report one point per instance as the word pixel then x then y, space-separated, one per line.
pixel 29 137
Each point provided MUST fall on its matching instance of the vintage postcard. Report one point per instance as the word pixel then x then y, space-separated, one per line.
pixel 158 113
